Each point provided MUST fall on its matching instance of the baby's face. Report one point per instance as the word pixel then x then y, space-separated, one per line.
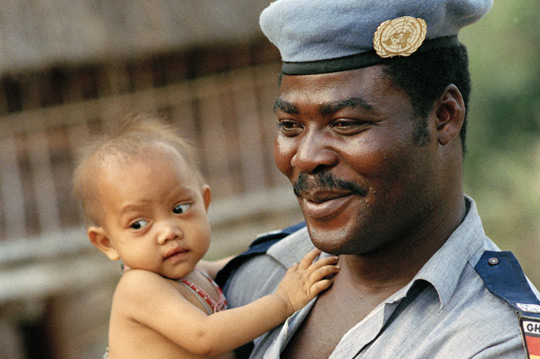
pixel 155 211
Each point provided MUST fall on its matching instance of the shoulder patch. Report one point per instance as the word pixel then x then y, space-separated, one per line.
pixel 504 278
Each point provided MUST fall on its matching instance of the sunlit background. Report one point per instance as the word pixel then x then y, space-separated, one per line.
pixel 502 167
pixel 68 68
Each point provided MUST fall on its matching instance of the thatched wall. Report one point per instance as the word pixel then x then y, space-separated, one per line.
pixel 69 67
pixel 40 33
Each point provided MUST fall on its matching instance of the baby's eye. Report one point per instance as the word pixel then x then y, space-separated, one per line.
pixel 181 208
pixel 139 224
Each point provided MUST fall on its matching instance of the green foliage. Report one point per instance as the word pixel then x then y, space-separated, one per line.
pixel 502 166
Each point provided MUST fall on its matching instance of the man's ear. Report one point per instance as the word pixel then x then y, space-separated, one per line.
pixel 207 196
pixel 101 241
pixel 450 111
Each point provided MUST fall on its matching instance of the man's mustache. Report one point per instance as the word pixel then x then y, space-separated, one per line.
pixel 325 181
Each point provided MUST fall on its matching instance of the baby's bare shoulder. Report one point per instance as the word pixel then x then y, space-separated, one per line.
pixel 140 282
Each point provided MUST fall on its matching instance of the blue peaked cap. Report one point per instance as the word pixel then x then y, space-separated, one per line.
pixel 317 36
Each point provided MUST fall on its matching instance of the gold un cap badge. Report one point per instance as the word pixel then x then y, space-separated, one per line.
pixel 401 36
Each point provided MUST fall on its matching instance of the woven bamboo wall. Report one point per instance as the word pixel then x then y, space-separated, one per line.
pixel 55 289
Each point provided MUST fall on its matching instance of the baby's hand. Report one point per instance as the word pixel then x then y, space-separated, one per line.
pixel 306 280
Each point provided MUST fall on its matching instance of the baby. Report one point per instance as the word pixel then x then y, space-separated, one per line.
pixel 146 204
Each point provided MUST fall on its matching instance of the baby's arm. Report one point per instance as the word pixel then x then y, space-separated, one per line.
pixel 302 283
pixel 168 313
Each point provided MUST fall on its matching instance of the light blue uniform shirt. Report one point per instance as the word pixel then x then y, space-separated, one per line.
pixel 452 314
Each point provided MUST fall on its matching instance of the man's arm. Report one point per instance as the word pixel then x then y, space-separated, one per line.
pixel 213 267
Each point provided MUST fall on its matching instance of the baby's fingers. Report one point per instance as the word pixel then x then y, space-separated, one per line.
pixel 320 286
pixel 323 262
pixel 323 272
pixel 308 259
pixel 319 281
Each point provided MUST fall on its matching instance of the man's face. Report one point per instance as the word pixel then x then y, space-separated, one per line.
pixel 346 142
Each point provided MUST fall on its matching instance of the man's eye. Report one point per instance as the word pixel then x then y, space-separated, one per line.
pixel 345 123
pixel 139 224
pixel 348 126
pixel 288 127
pixel 181 208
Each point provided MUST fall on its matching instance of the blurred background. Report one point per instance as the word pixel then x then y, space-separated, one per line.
pixel 69 67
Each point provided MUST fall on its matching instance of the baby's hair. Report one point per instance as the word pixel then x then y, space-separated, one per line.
pixel 128 138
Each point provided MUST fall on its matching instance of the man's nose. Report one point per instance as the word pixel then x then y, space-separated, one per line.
pixel 314 153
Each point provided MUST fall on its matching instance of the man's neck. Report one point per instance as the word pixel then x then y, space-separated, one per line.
pixel 397 264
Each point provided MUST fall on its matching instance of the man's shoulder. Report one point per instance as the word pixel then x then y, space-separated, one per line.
pixel 258 271
pixel 495 289
pixel 256 251
pixel 503 277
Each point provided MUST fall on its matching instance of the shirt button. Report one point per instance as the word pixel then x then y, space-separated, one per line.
pixel 493 261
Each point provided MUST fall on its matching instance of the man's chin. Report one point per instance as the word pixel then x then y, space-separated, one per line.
pixel 341 242
pixel 329 241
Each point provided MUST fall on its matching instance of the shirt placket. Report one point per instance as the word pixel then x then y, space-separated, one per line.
pixel 281 338
pixel 354 343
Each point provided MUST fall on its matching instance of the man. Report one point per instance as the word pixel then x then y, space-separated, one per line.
pixel 371 133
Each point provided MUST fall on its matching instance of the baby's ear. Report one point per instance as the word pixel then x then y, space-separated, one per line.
pixel 101 241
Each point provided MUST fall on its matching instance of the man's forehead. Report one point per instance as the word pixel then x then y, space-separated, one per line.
pixel 325 107
pixel 336 86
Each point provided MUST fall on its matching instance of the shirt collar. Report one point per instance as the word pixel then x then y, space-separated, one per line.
pixel 443 269
pixel 291 249
pixel 465 245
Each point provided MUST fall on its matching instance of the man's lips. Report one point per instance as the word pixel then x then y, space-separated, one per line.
pixel 324 205
pixel 320 196
pixel 323 196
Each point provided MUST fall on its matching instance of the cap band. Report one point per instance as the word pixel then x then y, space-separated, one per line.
pixel 357 61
